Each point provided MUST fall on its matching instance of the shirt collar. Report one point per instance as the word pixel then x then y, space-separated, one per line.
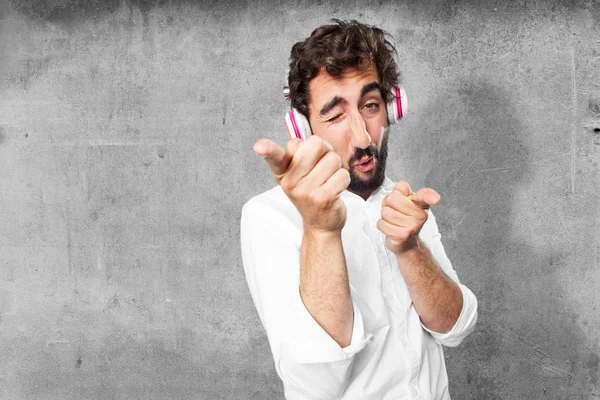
pixel 386 187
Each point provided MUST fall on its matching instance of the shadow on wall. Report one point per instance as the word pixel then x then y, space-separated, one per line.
pixel 526 344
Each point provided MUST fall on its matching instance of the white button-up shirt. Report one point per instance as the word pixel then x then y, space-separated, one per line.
pixel 391 354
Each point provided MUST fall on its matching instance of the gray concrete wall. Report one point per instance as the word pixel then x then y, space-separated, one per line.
pixel 126 130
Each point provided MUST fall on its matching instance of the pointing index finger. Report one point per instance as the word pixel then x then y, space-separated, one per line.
pixel 425 197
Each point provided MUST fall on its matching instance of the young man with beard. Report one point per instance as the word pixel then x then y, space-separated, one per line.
pixel 345 267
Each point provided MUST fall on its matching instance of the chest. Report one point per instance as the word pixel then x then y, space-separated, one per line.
pixel 376 283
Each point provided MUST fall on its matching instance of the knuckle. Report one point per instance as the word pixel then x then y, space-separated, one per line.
pixel 314 197
pixel 385 212
pixel 321 198
pixel 344 172
pixel 315 140
pixel 309 145
pixel 335 158
pixel 394 242
pixel 415 228
pixel 391 198
pixel 385 201
pixel 346 175
pixel 403 235
pixel 330 158
pixel 422 216
pixel 286 184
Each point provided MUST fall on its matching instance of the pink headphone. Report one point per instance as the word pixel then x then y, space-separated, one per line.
pixel 298 126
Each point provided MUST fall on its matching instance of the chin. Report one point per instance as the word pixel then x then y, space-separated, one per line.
pixel 368 184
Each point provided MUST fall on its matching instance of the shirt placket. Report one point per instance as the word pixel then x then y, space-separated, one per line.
pixel 393 302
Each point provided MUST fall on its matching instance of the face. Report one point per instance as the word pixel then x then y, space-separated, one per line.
pixel 349 112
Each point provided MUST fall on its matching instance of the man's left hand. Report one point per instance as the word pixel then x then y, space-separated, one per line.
pixel 403 214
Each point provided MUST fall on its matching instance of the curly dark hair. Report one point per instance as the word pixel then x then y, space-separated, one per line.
pixel 344 44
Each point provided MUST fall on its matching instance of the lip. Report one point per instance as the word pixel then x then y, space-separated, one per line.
pixel 365 164
pixel 363 160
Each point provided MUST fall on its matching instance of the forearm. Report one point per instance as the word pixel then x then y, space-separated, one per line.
pixel 324 286
pixel 436 298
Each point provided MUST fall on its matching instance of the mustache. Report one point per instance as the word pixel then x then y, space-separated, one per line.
pixel 360 153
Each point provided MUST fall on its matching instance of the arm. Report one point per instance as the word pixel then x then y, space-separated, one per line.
pixel 437 299
pixel 324 284
pixel 308 360
pixel 465 324
pixel 314 329
pixel 311 175
pixel 447 309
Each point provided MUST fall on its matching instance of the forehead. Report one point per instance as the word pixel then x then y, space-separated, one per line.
pixel 348 85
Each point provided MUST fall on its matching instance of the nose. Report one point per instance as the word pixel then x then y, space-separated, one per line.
pixel 359 137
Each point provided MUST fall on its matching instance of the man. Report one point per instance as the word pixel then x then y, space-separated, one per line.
pixel 345 267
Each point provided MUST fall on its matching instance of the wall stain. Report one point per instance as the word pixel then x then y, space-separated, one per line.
pixel 71 11
pixel 64 10
pixel 594 105
pixel 593 367
pixel 28 70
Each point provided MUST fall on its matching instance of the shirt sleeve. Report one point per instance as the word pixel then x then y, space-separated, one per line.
pixel 465 324
pixel 308 361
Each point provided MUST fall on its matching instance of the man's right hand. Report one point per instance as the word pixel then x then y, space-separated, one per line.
pixel 310 173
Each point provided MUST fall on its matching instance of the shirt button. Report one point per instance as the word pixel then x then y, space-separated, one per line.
pixel 414 393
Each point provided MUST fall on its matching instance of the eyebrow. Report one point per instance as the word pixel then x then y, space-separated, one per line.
pixel 369 87
pixel 331 104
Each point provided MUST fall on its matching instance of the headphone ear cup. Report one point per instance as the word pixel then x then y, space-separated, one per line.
pixel 398 106
pixel 297 125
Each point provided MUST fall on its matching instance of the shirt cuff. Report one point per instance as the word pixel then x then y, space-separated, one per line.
pixel 309 343
pixel 464 325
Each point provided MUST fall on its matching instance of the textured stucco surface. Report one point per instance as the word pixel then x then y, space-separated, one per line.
pixel 126 132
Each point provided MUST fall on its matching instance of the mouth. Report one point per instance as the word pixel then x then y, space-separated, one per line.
pixel 365 164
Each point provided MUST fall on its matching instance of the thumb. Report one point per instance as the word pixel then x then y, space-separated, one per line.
pixel 425 197
pixel 276 157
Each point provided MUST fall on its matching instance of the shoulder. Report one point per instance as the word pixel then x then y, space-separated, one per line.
pixel 271 206
pixel 271 217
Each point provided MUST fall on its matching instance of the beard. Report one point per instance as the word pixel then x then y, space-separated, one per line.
pixel 369 185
